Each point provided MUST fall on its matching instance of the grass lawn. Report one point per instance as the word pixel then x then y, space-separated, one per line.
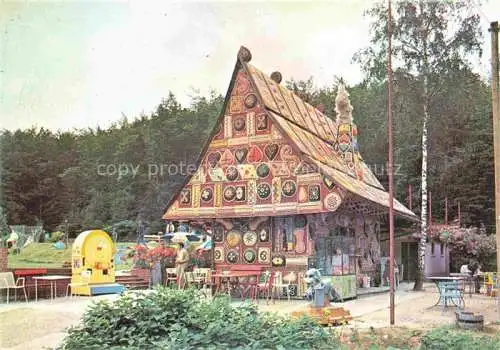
pixel 45 255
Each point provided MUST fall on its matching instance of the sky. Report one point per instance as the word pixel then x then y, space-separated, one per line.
pixel 78 64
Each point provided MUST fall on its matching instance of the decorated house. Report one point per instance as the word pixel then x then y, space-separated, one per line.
pixel 281 186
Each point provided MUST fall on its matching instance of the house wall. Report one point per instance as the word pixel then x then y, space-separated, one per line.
pixel 437 260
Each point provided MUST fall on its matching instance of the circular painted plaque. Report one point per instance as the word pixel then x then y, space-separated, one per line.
pixel 233 238
pixel 232 257
pixel 229 193
pixel 332 201
pixel 232 173
pixel 263 170
pixel 250 101
pixel 289 188
pixel 250 238
pixel 239 124
pixel 249 256
pixel 206 194
pixel 263 190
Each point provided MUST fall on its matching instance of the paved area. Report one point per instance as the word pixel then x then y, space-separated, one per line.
pixel 38 325
pixel 42 324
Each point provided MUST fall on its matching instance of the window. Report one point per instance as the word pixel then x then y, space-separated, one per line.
pixel 432 248
pixel 441 248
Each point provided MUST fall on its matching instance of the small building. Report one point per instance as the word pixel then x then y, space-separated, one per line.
pixel 282 186
pixel 437 253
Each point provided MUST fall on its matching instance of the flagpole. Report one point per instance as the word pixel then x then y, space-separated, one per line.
pixel 390 168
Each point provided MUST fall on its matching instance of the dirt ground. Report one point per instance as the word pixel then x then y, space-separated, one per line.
pixel 42 324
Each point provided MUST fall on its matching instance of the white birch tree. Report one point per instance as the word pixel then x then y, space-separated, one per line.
pixel 429 38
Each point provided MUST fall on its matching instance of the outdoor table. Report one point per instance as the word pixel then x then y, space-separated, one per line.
pixel 468 281
pixel 53 284
pixel 244 287
pixel 448 291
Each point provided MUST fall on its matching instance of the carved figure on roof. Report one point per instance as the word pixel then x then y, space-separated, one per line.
pixel 343 106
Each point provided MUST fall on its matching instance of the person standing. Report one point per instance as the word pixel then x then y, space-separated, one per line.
pixel 181 263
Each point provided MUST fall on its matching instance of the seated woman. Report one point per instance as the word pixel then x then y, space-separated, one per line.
pixel 473 269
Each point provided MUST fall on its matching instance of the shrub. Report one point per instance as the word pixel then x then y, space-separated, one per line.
pixel 56 236
pixel 124 229
pixel 448 338
pixel 467 245
pixel 177 319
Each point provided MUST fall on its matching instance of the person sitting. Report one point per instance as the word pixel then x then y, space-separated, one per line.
pixel 464 269
pixel 476 276
pixel 473 269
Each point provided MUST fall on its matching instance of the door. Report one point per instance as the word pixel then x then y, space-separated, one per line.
pixel 409 260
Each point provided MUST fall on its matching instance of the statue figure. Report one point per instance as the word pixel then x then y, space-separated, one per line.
pixel 343 106
pixel 313 281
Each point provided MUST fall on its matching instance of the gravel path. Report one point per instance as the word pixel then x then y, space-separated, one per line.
pixel 42 324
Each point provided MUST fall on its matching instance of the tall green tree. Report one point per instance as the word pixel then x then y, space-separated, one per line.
pixel 429 37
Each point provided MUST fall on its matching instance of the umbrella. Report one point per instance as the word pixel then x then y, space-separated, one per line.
pixel 207 245
pixel 180 237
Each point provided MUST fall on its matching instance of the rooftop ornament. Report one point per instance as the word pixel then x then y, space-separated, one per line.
pixel 276 77
pixel 343 106
pixel 244 54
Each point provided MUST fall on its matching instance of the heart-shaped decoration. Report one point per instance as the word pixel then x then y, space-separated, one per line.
pixel 213 159
pixel 271 151
pixel 328 182
pixel 255 154
pixel 240 154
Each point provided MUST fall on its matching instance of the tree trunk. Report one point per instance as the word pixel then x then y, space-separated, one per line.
pixel 419 279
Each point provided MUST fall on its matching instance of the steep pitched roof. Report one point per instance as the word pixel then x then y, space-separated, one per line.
pixel 312 131
pixel 312 135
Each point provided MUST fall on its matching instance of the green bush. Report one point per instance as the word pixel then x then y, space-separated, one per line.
pixel 176 319
pixel 56 236
pixel 448 338
pixel 124 229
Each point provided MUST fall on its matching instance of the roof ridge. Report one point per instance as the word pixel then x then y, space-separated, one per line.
pixel 308 118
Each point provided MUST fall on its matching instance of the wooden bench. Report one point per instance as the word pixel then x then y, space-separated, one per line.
pixel 29 272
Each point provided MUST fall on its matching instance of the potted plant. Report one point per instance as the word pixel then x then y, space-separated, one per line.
pixel 141 266
pixel 160 258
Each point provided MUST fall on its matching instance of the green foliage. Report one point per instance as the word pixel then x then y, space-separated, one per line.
pixel 4 229
pixel 126 228
pixel 93 177
pixel 56 236
pixel 177 319
pixel 468 246
pixel 433 42
pixel 447 338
